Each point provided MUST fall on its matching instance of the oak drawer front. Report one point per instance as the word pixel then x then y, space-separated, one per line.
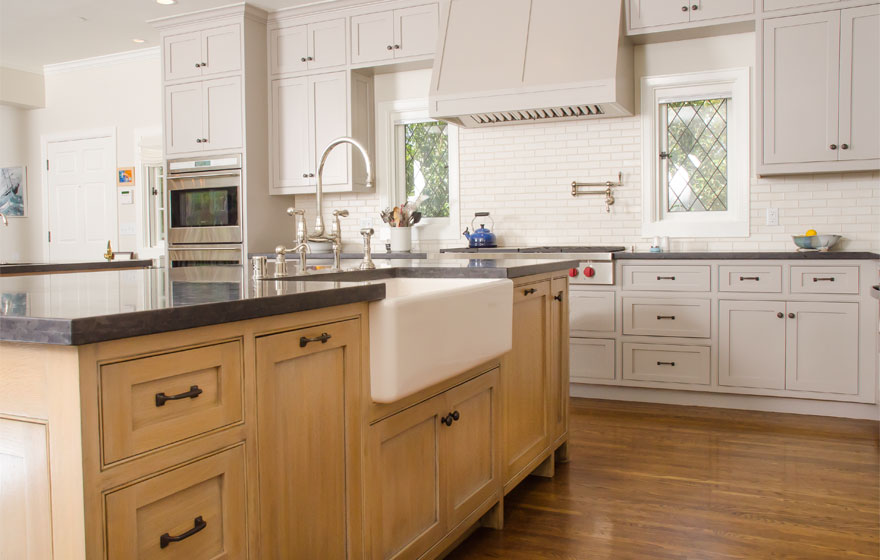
pixel 666 278
pixel 825 279
pixel 687 318
pixel 195 512
pixel 666 363
pixel 151 402
pixel 752 279
pixel 590 358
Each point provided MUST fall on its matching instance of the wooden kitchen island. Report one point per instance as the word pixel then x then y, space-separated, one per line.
pixel 240 425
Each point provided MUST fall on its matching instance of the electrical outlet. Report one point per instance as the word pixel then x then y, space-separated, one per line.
pixel 366 222
pixel 773 216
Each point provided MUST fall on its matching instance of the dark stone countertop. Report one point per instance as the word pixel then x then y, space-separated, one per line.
pixel 10 269
pixel 383 255
pixel 751 255
pixel 87 307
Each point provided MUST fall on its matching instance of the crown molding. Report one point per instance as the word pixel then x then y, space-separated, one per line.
pixel 240 9
pixel 103 60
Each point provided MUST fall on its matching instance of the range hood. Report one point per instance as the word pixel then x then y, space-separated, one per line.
pixel 514 61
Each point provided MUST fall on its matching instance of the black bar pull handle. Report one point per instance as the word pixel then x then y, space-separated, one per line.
pixel 198 525
pixel 194 391
pixel 304 340
pixel 670 317
pixel 666 364
pixel 756 278
pixel 818 279
pixel 666 278
pixel 529 291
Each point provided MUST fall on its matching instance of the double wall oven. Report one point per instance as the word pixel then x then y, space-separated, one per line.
pixel 205 211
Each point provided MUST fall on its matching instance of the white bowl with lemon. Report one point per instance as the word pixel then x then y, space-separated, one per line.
pixel 812 241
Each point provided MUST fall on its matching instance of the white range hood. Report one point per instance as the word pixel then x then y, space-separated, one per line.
pixel 513 61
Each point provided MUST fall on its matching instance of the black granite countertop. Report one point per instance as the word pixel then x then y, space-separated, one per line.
pixel 9 269
pixel 87 307
pixel 752 255
pixel 378 255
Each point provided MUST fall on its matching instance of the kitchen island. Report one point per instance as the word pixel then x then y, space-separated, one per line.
pixel 197 411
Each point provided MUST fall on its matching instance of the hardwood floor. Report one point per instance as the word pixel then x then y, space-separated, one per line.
pixel 652 481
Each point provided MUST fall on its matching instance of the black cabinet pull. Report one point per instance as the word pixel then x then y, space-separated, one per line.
pixel 817 279
pixel 756 278
pixel 450 418
pixel 529 291
pixel 666 278
pixel 670 317
pixel 780 314
pixel 304 340
pixel 791 315
pixel 558 297
pixel 455 415
pixel 666 364
pixel 198 525
pixel 162 398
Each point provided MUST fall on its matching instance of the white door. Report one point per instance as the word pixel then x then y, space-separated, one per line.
pixel 221 49
pixel 823 347
pixel 183 56
pixel 860 83
pixel 752 344
pixel 221 117
pixel 714 9
pixel 415 31
pixel 327 44
pixel 292 156
pixel 81 198
pixel 372 37
pixel 183 118
pixel 648 13
pixel 288 49
pixel 329 107
pixel 801 91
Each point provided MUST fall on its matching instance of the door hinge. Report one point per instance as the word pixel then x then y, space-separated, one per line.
pixel 50 237
pixel 47 165
pixel 664 155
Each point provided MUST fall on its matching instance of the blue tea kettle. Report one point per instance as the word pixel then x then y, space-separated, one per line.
pixel 481 237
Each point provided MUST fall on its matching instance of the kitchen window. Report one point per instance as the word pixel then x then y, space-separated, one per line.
pixel 421 156
pixel 695 159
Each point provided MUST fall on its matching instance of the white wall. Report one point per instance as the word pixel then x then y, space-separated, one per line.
pixel 22 89
pixel 13 153
pixel 521 174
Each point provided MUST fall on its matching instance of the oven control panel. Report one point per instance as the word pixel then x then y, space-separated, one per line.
pixel 592 272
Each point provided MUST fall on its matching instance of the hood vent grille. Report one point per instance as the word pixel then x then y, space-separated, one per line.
pixel 570 112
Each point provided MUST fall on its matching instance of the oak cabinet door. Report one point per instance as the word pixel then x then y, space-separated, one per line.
pixel 406 502
pixel 559 356
pixel 291 155
pixel 26 530
pixel 468 443
pixel 221 49
pixel 221 107
pixel 308 432
pixel 752 344
pixel 525 386
pixel 183 118
pixel 860 83
pixel 183 56
pixel 327 42
pixel 823 347
pixel 372 37
pixel 329 108
pixel 289 49
pixel 801 63
pixel 415 31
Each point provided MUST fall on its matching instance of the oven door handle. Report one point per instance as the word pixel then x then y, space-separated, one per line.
pixel 204 175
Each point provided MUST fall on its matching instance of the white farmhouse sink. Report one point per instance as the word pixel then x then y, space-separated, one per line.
pixel 427 330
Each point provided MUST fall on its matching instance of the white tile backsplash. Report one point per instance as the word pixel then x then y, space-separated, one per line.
pixel 522 175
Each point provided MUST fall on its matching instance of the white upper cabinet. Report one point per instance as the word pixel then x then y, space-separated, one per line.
pixel 705 10
pixel 644 15
pixel 393 34
pixel 771 5
pixel 183 118
pixel 648 13
pixel 820 82
pixel 305 47
pixel 201 116
pixel 202 53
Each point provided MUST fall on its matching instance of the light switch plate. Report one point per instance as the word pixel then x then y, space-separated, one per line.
pixel 127 228
pixel 366 222
pixel 773 216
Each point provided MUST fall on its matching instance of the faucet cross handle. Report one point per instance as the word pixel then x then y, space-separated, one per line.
pixel 299 219
pixel 337 227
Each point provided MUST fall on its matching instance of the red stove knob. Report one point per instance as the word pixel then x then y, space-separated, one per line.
pixel 572 272
pixel 589 271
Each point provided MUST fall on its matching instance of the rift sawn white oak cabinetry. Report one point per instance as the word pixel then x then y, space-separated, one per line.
pixel 818 85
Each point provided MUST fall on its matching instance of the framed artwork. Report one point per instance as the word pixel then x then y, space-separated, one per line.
pixel 13 191
pixel 125 176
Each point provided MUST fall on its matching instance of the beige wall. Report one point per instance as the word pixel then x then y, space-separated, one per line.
pixel 22 89
pixel 13 153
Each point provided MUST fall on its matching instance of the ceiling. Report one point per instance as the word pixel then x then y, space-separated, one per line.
pixel 38 32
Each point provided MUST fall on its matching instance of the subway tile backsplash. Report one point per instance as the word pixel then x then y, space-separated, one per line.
pixel 522 175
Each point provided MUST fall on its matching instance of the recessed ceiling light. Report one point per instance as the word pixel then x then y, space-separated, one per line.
pixel 138 40
pixel 166 2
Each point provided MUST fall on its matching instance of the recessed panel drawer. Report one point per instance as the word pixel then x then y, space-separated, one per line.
pixel 591 358
pixel 666 363
pixel 825 279
pixel 195 512
pixel 150 402
pixel 688 318
pixel 666 278
pixel 590 311
pixel 751 279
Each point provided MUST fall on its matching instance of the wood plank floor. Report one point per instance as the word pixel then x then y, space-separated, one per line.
pixel 652 481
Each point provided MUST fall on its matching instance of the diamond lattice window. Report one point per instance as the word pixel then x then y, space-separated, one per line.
pixel 427 166
pixel 696 155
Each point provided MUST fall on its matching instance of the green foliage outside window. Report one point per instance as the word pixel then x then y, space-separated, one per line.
pixel 427 166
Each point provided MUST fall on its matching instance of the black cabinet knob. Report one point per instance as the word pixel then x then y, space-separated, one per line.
pixel 833 146
pixel 791 315
pixel 684 8
pixel 844 146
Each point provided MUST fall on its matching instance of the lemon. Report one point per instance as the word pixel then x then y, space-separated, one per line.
pixel 810 232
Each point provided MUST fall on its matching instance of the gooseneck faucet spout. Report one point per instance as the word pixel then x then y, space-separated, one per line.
pixel 319 233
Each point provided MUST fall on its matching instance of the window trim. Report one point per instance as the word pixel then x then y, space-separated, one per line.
pixel 655 90
pixel 389 158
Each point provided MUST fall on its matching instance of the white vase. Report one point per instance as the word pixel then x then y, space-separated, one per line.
pixel 401 239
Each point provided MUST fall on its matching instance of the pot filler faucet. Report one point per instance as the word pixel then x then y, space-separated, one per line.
pixel 319 233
